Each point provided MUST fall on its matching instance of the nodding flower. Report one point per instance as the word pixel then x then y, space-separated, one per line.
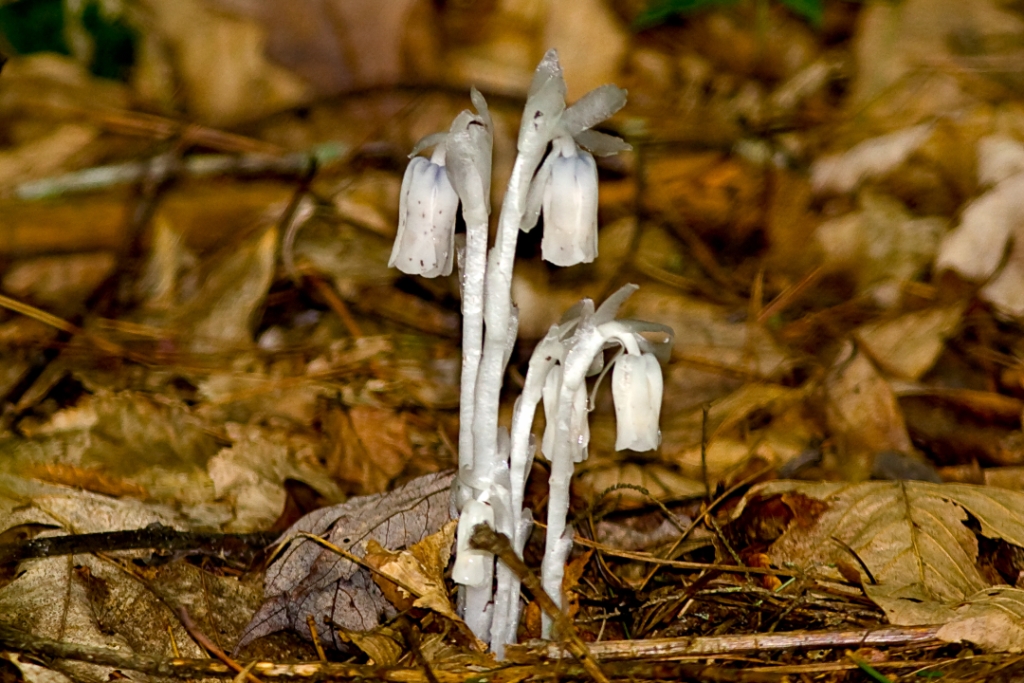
pixel 565 186
pixel 569 202
pixel 637 389
pixel 458 170
pixel 425 244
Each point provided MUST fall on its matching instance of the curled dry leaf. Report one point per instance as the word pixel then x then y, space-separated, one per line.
pixel 420 567
pixel 418 577
pixel 309 579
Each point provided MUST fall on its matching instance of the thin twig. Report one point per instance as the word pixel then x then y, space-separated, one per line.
pixel 21 641
pixel 202 639
pixel 60 324
pixel 484 538
pixel 700 518
pixel 311 623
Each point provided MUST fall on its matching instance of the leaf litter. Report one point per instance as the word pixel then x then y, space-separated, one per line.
pixel 804 215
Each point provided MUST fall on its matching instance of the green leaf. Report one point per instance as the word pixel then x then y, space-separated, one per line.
pixel 34 26
pixel 811 10
pixel 660 11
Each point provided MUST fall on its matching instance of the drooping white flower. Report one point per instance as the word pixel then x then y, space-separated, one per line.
pixel 425 243
pixel 637 388
pixel 565 185
pixel 569 205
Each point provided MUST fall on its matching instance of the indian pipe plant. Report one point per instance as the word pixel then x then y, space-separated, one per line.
pixel 555 176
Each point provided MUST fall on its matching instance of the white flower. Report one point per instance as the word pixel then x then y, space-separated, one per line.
pixel 425 244
pixel 565 185
pixel 637 388
pixel 569 205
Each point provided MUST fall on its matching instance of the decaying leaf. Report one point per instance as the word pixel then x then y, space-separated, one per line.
pixel 382 645
pixel 420 567
pixel 909 345
pixel 308 579
pixel 918 540
pixel 862 409
pixel 109 601
pixel 992 619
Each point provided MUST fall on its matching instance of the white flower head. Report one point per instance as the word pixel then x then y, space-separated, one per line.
pixel 565 186
pixel 425 243
pixel 460 167
pixel 637 388
pixel 569 202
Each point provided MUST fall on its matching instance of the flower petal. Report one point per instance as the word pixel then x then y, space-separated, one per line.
pixel 593 108
pixel 601 144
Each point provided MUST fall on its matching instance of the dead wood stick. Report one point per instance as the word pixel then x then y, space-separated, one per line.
pixel 705 646
pixel 21 641
pixel 212 647
pixel 485 538
pixel 155 536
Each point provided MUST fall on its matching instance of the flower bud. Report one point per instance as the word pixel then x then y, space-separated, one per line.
pixel 637 388
pixel 425 244
pixel 570 206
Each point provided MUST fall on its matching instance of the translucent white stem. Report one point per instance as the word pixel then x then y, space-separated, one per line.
pixel 480 605
pixel 473 278
pixel 497 313
pixel 587 345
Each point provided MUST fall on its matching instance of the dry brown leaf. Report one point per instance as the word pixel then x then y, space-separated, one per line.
pixel 992 619
pixel 310 579
pixel 708 191
pixel 841 173
pixel 420 567
pixel 960 425
pixel 713 338
pixel 45 155
pixel 914 538
pixel 909 345
pixel 661 480
pixel 58 283
pixel 861 410
pixel 92 601
pixel 758 419
pixel 381 645
pixel 895 41
pixel 882 245
pixel 225 75
pixel 339 44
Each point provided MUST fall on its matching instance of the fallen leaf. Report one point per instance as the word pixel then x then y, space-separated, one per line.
pixel 909 345
pixel 713 338
pixel 45 155
pixel 841 173
pixel 882 245
pixel 309 579
pixel 220 59
pixel 992 620
pixel 914 537
pixel 381 645
pixel 421 568
pixel 862 412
